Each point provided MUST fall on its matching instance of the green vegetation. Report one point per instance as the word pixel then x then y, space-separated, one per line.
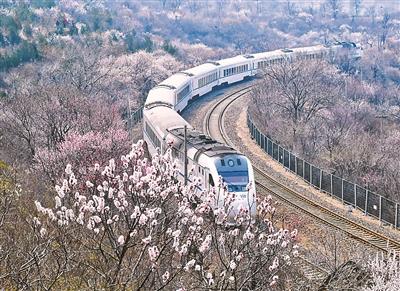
pixel 43 3
pixel 24 53
pixel 12 28
pixel 136 43
pixel 169 48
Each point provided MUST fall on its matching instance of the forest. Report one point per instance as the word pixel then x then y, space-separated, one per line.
pixel 73 71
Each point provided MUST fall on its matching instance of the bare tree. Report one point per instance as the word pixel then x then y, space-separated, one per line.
pixel 335 6
pixel 357 7
pixel 384 270
pixel 297 93
pixel 385 28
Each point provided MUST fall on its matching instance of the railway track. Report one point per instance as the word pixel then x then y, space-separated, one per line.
pixel 214 126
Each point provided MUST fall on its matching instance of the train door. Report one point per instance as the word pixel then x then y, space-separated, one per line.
pixel 208 180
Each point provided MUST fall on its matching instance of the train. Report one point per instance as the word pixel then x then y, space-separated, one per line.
pixel 212 161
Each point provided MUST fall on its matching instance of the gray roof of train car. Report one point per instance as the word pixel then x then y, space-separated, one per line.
pixel 233 61
pixel 279 53
pixel 203 143
pixel 161 94
pixel 177 80
pixel 202 69
pixel 163 118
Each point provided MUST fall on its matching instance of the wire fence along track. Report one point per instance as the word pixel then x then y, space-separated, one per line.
pixel 377 206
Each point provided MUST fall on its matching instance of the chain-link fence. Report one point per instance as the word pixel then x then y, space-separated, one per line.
pixel 349 193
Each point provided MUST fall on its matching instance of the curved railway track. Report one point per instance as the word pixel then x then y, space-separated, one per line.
pixel 214 126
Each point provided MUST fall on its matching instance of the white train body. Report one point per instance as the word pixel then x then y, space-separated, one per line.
pixel 210 160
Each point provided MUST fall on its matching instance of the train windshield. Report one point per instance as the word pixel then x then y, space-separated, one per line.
pixel 237 180
pixel 234 171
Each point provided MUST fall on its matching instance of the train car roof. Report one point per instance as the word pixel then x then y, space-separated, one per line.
pixel 202 69
pixel 282 53
pixel 202 142
pixel 309 49
pixel 269 55
pixel 161 94
pixel 177 80
pixel 233 61
pixel 164 118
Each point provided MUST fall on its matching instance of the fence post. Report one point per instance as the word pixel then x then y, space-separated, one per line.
pixel 342 191
pixel 304 169
pixel 289 162
pixel 355 196
pixel 380 208
pixel 320 179
pixel 366 202
pixel 262 141
pixel 295 164
pixel 331 184
pixel 311 166
pixel 396 215
pixel 267 146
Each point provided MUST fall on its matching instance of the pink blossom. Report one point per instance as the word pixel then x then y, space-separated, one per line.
pixel 206 244
pixel 147 240
pixel 143 219
pixel 153 253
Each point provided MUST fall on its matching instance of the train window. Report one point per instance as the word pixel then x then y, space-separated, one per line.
pixel 222 163
pixel 150 133
pixel 239 162
pixel 208 79
pixel 183 93
pixel 210 180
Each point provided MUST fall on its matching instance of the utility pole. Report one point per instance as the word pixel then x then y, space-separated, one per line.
pixel 130 119
pixel 185 155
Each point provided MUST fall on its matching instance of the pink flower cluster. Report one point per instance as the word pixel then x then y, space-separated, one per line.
pixel 141 205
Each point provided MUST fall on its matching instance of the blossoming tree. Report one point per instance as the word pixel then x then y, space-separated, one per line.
pixel 132 224
pixel 384 272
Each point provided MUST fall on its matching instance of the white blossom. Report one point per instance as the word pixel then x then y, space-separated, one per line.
pixel 121 240
pixel 43 232
pixel 165 277
pixel 89 184
pixel 68 169
pixel 232 265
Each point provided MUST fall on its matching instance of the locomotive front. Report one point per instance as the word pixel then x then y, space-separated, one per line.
pixel 236 171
